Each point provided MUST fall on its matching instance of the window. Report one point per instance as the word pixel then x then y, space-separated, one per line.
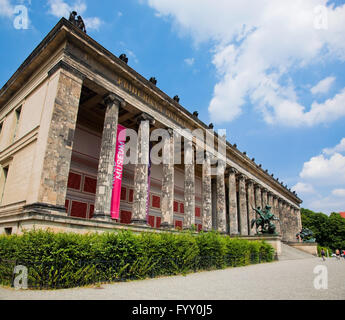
pixel 4 179
pixel 8 231
pixel 131 196
pixel 17 119
pixel 155 222
pixel 126 217
pixel 156 202
pixel 74 181
pixel 79 209
pixel 178 224
pixel 123 196
pixel 90 185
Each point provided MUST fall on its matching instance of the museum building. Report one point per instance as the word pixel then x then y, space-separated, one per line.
pixel 59 115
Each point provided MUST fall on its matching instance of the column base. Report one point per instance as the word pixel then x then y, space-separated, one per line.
pixel 101 216
pixel 234 234
pixel 167 226
pixel 140 222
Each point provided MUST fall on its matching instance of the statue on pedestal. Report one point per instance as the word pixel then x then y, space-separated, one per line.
pixel 306 235
pixel 264 222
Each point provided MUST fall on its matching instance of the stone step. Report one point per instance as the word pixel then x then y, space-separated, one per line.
pixel 290 253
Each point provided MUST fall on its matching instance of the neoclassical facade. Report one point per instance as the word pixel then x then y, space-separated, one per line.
pixel 58 119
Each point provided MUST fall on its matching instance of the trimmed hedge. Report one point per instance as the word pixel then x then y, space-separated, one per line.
pixel 65 260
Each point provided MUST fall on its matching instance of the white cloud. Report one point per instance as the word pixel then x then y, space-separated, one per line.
pixel 326 171
pixel 322 182
pixel 257 44
pixel 323 86
pixel 93 23
pixel 60 8
pixel 327 204
pixel 189 61
pixel 338 148
pixel 339 193
pixel 6 9
pixel 303 188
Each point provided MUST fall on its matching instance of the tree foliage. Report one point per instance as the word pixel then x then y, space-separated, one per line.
pixel 329 230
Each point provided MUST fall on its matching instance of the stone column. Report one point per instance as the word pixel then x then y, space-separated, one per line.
pixel 141 170
pixel 105 174
pixel 233 214
pixel 284 220
pixel 270 200
pixel 264 198
pixel 276 213
pixel 168 182
pixel 243 205
pixel 207 193
pixel 292 226
pixel 214 204
pixel 299 219
pixel 251 205
pixel 281 216
pixel 189 185
pixel 258 196
pixel 221 202
pixel 52 170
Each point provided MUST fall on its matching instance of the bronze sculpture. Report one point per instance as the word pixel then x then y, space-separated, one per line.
pixel 306 235
pixel 124 58
pixel 78 22
pixel 265 221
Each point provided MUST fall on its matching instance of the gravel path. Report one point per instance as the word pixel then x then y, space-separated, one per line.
pixel 283 280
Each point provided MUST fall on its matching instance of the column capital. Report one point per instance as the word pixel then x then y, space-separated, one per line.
pixel 250 182
pixel 231 171
pixel 242 176
pixel 257 186
pixel 146 117
pixel 264 190
pixel 111 98
pixel 170 131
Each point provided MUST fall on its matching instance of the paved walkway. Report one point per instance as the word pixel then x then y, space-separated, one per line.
pixel 283 280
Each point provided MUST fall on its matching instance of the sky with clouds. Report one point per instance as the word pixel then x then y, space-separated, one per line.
pixel 270 72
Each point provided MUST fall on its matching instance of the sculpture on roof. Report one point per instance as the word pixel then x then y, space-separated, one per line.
pixel 77 21
pixel 264 221
pixel 124 58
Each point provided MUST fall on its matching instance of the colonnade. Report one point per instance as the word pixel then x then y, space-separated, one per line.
pixel 230 213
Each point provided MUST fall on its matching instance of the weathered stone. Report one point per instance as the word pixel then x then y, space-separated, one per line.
pixel 189 186
pixel 264 198
pixel 251 205
pixel 58 152
pixel 233 214
pixel 168 184
pixel 105 176
pixel 243 205
pixel 207 193
pixel 276 213
pixel 221 205
pixel 139 215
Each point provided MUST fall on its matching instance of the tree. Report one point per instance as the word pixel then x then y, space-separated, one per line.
pixel 329 231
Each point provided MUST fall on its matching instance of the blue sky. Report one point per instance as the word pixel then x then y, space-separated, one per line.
pixel 269 72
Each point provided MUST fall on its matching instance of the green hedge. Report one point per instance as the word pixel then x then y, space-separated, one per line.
pixel 66 260
pixel 319 248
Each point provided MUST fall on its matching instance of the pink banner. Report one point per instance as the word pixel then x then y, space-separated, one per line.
pixel 118 170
